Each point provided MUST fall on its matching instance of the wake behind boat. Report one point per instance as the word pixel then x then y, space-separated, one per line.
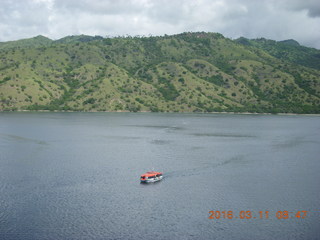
pixel 150 177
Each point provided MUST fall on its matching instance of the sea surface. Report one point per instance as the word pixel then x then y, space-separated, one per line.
pixel 76 176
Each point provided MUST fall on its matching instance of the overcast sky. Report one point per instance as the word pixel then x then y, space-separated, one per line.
pixel 272 19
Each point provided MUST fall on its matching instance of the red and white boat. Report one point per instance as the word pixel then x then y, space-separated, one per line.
pixel 150 177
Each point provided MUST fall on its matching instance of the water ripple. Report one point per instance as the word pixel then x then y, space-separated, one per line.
pixel 17 138
pixel 225 135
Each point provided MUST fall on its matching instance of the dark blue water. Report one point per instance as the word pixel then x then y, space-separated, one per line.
pixel 76 175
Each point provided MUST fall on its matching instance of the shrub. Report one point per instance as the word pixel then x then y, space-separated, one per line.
pixel 89 101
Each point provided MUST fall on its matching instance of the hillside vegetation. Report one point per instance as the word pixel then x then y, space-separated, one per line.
pixel 188 72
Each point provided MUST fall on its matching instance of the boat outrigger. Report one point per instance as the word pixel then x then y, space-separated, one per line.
pixel 150 177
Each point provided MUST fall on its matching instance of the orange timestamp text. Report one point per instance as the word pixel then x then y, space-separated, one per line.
pixel 257 214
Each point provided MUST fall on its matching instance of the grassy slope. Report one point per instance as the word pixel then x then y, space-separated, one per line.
pixel 29 42
pixel 187 72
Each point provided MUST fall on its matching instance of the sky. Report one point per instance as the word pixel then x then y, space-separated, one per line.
pixel 271 19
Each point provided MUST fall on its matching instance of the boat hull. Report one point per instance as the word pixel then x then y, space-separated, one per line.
pixel 156 179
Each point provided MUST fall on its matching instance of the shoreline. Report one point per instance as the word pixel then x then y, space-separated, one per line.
pixel 233 113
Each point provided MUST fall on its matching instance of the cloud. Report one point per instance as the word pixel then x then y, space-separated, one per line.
pixel 278 20
pixel 311 6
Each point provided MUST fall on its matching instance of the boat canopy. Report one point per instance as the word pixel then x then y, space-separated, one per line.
pixel 151 174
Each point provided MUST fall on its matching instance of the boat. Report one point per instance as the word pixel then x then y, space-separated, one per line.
pixel 150 177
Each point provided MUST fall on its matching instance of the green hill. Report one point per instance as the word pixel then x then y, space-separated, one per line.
pixel 80 38
pixel 189 72
pixel 39 41
pixel 287 50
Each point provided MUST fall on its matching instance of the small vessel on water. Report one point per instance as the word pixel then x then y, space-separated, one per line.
pixel 150 177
